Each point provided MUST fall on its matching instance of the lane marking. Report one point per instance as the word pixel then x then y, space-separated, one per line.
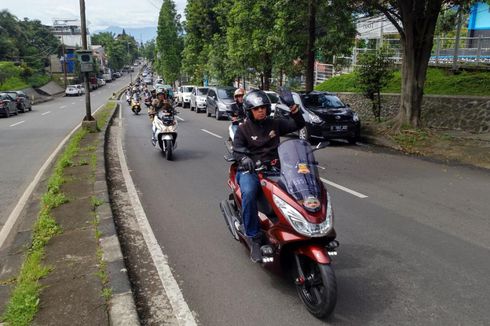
pixel 46 113
pixel 179 306
pixel 14 215
pixel 350 191
pixel 64 106
pixel 211 133
pixel 18 123
pixel 179 118
pixel 72 103
pixel 321 167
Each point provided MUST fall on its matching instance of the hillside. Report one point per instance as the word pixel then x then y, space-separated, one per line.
pixel 439 82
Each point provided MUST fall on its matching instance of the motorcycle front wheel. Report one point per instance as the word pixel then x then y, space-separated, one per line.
pixel 168 150
pixel 318 290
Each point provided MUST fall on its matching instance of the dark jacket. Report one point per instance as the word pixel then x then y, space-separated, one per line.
pixel 238 111
pixel 262 138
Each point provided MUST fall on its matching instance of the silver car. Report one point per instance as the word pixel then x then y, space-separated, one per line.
pixel 198 99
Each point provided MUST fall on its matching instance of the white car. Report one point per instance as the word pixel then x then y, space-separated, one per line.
pixel 74 90
pixel 198 99
pixel 184 95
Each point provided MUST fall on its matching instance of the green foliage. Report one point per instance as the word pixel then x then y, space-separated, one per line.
pixel 438 82
pixel 374 73
pixel 169 43
pixel 121 49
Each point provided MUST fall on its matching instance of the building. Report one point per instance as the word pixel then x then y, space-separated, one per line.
pixel 69 33
pixel 479 22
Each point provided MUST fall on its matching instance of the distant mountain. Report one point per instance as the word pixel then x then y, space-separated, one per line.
pixel 141 34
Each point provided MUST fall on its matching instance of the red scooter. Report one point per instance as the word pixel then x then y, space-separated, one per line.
pixel 296 220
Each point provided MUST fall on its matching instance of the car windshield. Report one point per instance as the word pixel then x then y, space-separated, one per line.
pixel 201 91
pixel 186 89
pixel 322 101
pixel 225 93
pixel 273 97
pixel 12 95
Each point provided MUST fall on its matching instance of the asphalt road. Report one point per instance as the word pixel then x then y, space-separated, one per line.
pixel 28 139
pixel 414 234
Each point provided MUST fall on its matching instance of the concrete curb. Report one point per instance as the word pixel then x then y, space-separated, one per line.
pixel 122 308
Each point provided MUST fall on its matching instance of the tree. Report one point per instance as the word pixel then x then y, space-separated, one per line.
pixel 416 21
pixel 169 44
pixel 309 29
pixel 374 73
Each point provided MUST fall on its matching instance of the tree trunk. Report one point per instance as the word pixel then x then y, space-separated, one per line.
pixel 310 46
pixel 419 23
pixel 267 78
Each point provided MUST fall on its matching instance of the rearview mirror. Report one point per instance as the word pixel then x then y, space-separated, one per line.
pixel 321 145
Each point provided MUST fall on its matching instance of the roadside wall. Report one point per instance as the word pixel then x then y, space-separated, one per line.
pixel 468 113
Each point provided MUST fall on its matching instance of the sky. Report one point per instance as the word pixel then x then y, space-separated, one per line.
pixel 99 13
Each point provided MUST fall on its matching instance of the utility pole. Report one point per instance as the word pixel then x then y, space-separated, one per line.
pixel 88 110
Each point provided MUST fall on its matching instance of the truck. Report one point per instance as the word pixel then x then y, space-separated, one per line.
pixel 107 75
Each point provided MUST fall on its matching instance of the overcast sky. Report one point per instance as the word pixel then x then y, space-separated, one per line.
pixel 99 13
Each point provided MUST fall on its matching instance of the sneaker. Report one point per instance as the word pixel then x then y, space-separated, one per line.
pixel 255 252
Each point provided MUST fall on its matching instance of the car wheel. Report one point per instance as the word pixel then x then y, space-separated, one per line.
pixel 208 113
pixel 7 113
pixel 216 114
pixel 352 140
pixel 304 134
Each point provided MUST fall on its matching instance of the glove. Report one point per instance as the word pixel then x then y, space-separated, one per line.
pixel 247 164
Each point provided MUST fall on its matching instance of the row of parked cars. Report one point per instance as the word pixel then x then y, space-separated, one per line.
pixel 14 102
pixel 326 116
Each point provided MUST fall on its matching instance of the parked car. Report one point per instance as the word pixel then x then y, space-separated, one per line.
pixel 76 90
pixel 22 101
pixel 7 105
pixel 198 99
pixel 100 82
pixel 219 101
pixel 184 95
pixel 326 117
pixel 116 74
pixel 274 98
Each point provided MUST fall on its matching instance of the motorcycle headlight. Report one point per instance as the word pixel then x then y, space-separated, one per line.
pixel 355 117
pixel 300 224
pixel 314 118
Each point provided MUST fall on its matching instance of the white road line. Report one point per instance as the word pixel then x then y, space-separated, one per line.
pixel 321 167
pixel 72 103
pixel 14 215
pixel 18 123
pixel 179 305
pixel 211 133
pixel 64 106
pixel 179 118
pixel 46 113
pixel 350 191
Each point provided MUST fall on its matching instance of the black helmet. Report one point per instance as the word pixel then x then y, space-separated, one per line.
pixel 255 99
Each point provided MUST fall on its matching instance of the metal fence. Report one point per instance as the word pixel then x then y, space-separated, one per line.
pixel 470 51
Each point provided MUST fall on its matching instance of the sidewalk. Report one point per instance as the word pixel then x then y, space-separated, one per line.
pixel 87 283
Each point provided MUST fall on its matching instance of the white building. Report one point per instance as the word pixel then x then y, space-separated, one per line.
pixel 69 32
pixel 375 27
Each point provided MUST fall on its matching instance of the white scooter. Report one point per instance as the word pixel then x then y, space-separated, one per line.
pixel 165 132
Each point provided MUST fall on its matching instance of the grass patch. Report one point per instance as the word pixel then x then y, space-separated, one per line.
pixel 439 82
pixel 104 114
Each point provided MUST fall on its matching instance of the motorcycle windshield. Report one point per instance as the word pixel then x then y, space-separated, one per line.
pixel 299 173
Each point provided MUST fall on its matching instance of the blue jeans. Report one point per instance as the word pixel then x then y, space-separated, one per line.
pixel 250 188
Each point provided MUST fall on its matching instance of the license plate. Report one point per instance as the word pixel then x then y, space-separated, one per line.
pixel 338 128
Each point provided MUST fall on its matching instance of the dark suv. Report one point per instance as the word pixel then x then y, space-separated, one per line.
pixel 326 117
pixel 219 101
pixel 21 100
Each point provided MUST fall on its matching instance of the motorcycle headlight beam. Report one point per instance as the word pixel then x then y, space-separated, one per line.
pixel 300 224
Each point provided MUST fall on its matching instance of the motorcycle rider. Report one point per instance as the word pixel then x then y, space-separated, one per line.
pixel 257 139
pixel 159 104
pixel 237 114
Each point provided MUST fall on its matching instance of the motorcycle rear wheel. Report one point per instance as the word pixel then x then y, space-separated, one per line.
pixel 319 291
